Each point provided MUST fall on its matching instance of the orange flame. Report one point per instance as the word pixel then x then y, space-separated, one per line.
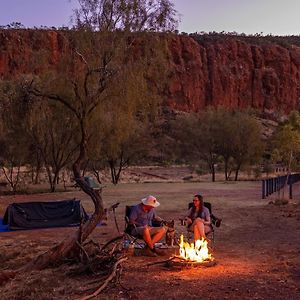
pixel 198 252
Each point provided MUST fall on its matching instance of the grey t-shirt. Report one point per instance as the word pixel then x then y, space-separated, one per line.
pixel 205 215
pixel 141 218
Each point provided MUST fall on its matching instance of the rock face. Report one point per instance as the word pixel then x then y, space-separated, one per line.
pixel 26 51
pixel 232 72
pixel 228 71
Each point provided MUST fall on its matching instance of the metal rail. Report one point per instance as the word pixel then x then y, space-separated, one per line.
pixel 274 184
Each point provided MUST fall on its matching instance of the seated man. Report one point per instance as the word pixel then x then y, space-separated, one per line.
pixel 198 218
pixel 142 215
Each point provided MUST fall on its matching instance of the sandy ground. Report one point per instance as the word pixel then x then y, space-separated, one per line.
pixel 257 248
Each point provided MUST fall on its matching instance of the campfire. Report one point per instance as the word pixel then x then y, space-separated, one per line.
pixel 190 255
pixel 194 252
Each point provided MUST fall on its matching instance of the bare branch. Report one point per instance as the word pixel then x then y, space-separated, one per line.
pixel 106 282
pixel 55 97
pixel 83 250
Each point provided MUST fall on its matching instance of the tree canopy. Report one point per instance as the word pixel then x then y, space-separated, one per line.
pixel 126 15
pixel 217 135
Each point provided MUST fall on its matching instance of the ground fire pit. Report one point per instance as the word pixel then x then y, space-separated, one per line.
pixel 177 261
pixel 191 255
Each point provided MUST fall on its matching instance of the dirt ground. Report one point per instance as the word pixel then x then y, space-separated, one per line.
pixel 257 247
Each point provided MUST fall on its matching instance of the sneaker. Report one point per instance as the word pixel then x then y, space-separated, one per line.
pixel 148 252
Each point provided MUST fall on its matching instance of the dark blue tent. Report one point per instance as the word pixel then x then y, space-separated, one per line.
pixel 44 214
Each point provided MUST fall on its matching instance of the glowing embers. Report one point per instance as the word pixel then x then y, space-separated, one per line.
pixel 198 252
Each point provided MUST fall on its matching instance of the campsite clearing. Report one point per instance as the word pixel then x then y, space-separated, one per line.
pixel 257 247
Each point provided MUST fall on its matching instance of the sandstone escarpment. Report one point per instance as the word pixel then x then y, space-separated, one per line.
pixel 230 71
pixel 28 51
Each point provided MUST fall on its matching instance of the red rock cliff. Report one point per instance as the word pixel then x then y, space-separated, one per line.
pixel 233 72
pixel 228 71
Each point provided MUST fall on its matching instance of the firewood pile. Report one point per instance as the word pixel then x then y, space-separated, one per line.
pixel 178 262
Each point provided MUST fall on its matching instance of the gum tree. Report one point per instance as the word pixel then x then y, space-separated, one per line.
pixel 52 141
pixel 195 136
pixel 122 140
pixel 113 45
pixel 217 133
pixel 14 147
pixel 247 146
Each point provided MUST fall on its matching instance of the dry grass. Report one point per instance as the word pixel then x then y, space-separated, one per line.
pixel 257 247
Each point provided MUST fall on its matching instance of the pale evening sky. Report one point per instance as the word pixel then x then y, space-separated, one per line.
pixel 278 17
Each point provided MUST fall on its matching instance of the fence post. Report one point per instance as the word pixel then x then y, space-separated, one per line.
pixel 291 190
pixel 263 189
pixel 282 181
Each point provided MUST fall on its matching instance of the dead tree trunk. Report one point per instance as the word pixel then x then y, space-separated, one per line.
pixel 70 244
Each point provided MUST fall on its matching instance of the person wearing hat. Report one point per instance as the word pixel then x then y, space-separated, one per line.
pixel 141 217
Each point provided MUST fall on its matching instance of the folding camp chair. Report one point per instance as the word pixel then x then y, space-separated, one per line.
pixel 134 239
pixel 215 222
pixel 129 238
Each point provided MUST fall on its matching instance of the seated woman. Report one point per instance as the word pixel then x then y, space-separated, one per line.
pixel 198 218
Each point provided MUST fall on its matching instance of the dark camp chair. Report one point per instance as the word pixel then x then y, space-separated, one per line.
pixel 215 222
pixel 129 227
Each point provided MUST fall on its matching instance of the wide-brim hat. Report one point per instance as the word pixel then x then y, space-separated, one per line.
pixel 151 201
